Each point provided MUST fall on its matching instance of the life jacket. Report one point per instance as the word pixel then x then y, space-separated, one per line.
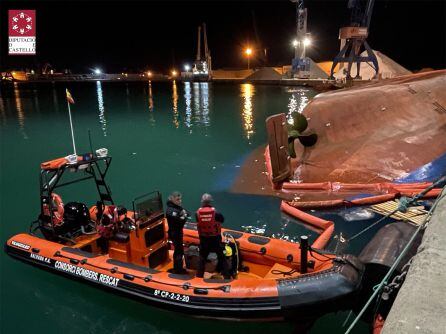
pixel 112 212
pixel 109 219
pixel 58 209
pixel 207 225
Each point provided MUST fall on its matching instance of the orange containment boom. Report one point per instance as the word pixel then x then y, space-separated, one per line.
pixel 326 225
pixel 384 191
pixel 390 191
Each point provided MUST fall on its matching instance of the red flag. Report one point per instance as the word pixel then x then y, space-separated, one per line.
pixel 69 97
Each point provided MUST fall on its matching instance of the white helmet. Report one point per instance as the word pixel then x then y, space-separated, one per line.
pixel 206 199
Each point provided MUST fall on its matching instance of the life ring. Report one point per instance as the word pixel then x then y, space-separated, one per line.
pixel 58 209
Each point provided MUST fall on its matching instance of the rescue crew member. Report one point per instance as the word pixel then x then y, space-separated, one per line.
pixel 107 224
pixel 176 218
pixel 209 230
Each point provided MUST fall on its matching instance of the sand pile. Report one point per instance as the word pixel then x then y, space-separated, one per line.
pixel 316 72
pixel 231 74
pixel 265 73
pixel 326 66
pixel 388 68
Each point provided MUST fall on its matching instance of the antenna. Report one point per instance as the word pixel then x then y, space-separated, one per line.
pixel 198 47
pixel 91 145
pixel 205 40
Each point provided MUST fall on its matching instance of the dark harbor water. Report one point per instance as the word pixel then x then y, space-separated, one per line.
pixel 191 137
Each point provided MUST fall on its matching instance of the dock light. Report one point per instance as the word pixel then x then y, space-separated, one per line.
pixel 307 41
pixel 97 71
pixel 186 68
pixel 174 73
pixel 149 74
pixel 248 53
pixel 295 43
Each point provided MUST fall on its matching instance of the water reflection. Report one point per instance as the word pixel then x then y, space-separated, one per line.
pixel 36 100
pixel 55 100
pixel 151 114
pixel 175 104
pixel 20 113
pixel 297 101
pixel 198 111
pixel 247 111
pixel 188 102
pixel 101 108
pixel 127 95
pixel 196 92
pixel 150 97
pixel 203 117
pixel 2 109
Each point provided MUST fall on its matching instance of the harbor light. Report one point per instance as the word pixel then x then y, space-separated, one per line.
pixel 149 74
pixel 97 71
pixel 186 68
pixel 248 53
pixel 307 41
pixel 174 73
pixel 295 43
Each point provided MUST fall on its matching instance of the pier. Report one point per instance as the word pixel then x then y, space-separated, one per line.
pixel 420 305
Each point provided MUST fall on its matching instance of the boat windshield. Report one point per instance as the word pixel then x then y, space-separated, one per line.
pixel 148 205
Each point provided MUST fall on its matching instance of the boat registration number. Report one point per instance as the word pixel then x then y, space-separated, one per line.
pixel 171 296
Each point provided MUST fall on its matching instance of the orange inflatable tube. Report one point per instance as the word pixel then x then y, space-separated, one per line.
pixel 324 238
pixel 326 225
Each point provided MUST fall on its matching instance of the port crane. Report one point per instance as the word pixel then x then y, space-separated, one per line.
pixel 300 65
pixel 202 68
pixel 355 36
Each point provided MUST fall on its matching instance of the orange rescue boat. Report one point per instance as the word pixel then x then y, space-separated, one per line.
pixel 271 279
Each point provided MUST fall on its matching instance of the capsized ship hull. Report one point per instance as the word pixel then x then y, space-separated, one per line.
pixel 387 131
pixel 378 132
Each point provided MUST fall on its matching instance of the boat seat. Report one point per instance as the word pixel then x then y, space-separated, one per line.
pixel 86 239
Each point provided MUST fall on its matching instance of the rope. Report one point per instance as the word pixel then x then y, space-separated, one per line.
pixel 284 273
pixel 403 205
pixel 404 251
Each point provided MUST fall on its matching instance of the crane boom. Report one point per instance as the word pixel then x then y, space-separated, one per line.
pixel 199 44
pixel 201 69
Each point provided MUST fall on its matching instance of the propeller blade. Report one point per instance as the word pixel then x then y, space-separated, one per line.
pixel 293 134
pixel 308 140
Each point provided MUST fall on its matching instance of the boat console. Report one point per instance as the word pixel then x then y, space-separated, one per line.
pixel 146 244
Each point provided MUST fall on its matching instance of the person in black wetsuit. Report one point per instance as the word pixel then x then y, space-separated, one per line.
pixel 176 218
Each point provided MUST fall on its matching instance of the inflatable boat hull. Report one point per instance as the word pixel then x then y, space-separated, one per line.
pixel 304 297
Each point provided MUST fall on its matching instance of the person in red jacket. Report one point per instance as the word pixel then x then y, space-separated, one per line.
pixel 209 223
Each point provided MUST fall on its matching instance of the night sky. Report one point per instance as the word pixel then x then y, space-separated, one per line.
pixel 133 36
